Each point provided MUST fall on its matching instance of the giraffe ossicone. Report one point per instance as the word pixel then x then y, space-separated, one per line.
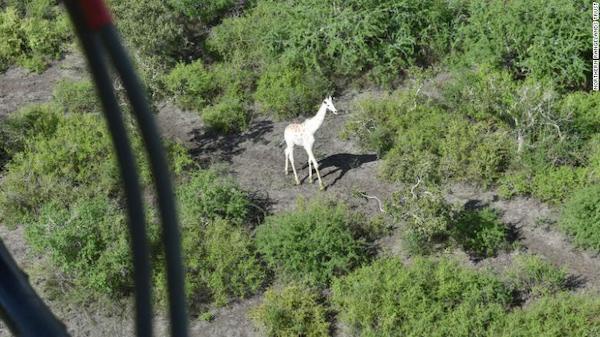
pixel 303 135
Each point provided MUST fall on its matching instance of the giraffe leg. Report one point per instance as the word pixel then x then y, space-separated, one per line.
pixel 291 156
pixel 287 152
pixel 310 180
pixel 311 157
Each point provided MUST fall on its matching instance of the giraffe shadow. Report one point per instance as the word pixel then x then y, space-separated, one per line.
pixel 340 163
pixel 210 145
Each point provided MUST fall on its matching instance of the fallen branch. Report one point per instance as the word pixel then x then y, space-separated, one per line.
pixel 364 195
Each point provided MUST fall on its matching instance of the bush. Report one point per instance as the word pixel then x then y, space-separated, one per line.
pixel 292 311
pixel 77 97
pixel 480 232
pixel 427 215
pixel 515 36
pixel 76 160
pixel 380 37
pixel 207 11
pixel 20 128
pixel 288 91
pixel 474 152
pixel 192 85
pixel 580 217
pixel 157 35
pixel 313 243
pixel 226 116
pixel 584 108
pixel 553 316
pixel 375 122
pixel 415 152
pixel 204 196
pixel 220 262
pixel 32 34
pixel 63 184
pixel 529 109
pixel 534 277
pixel 219 254
pixel 557 184
pixel 88 241
pixel 418 139
pixel 514 183
pixel 425 298
pixel 234 78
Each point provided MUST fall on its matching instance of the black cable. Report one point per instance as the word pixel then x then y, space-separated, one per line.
pixel 20 307
pixel 93 52
pixel 162 176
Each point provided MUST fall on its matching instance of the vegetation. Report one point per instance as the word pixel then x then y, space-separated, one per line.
pixel 62 183
pixel 580 217
pixel 515 36
pixel 430 222
pixel 312 244
pixel 77 97
pixel 426 298
pixel 534 277
pixel 32 33
pixel 480 232
pixel 440 298
pixel 220 256
pixel 294 310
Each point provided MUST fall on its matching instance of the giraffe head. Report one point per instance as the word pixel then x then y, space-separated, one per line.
pixel 329 104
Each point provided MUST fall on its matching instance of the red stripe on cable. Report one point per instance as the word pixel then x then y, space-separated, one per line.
pixel 96 13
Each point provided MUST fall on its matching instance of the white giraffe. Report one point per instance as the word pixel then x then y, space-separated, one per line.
pixel 303 135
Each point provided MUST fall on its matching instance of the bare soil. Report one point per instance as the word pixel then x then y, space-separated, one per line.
pixel 255 158
pixel 19 87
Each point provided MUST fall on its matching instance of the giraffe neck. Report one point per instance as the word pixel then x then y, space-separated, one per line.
pixel 313 124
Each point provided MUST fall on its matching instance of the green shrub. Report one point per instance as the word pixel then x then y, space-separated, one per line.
pixel 530 110
pixel 204 196
pixel 535 277
pixel 88 241
pixel 415 152
pixel 427 215
pixel 288 91
pixel 63 185
pixel 220 262
pixel 584 108
pixel 220 258
pixel 77 97
pixel 227 115
pixel 157 35
pixel 483 93
pixel 234 78
pixel 557 184
pixel 515 35
pixel 418 139
pixel 424 298
pixel 514 183
pixel 208 11
pixel 22 127
pixel 375 121
pixel 32 35
pixel 313 243
pixel 480 232
pixel 473 152
pixel 356 37
pixel 292 311
pixel 580 217
pixel 75 161
pixel 553 316
pixel 191 84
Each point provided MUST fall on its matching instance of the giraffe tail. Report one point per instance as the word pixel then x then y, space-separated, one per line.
pixel 281 143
